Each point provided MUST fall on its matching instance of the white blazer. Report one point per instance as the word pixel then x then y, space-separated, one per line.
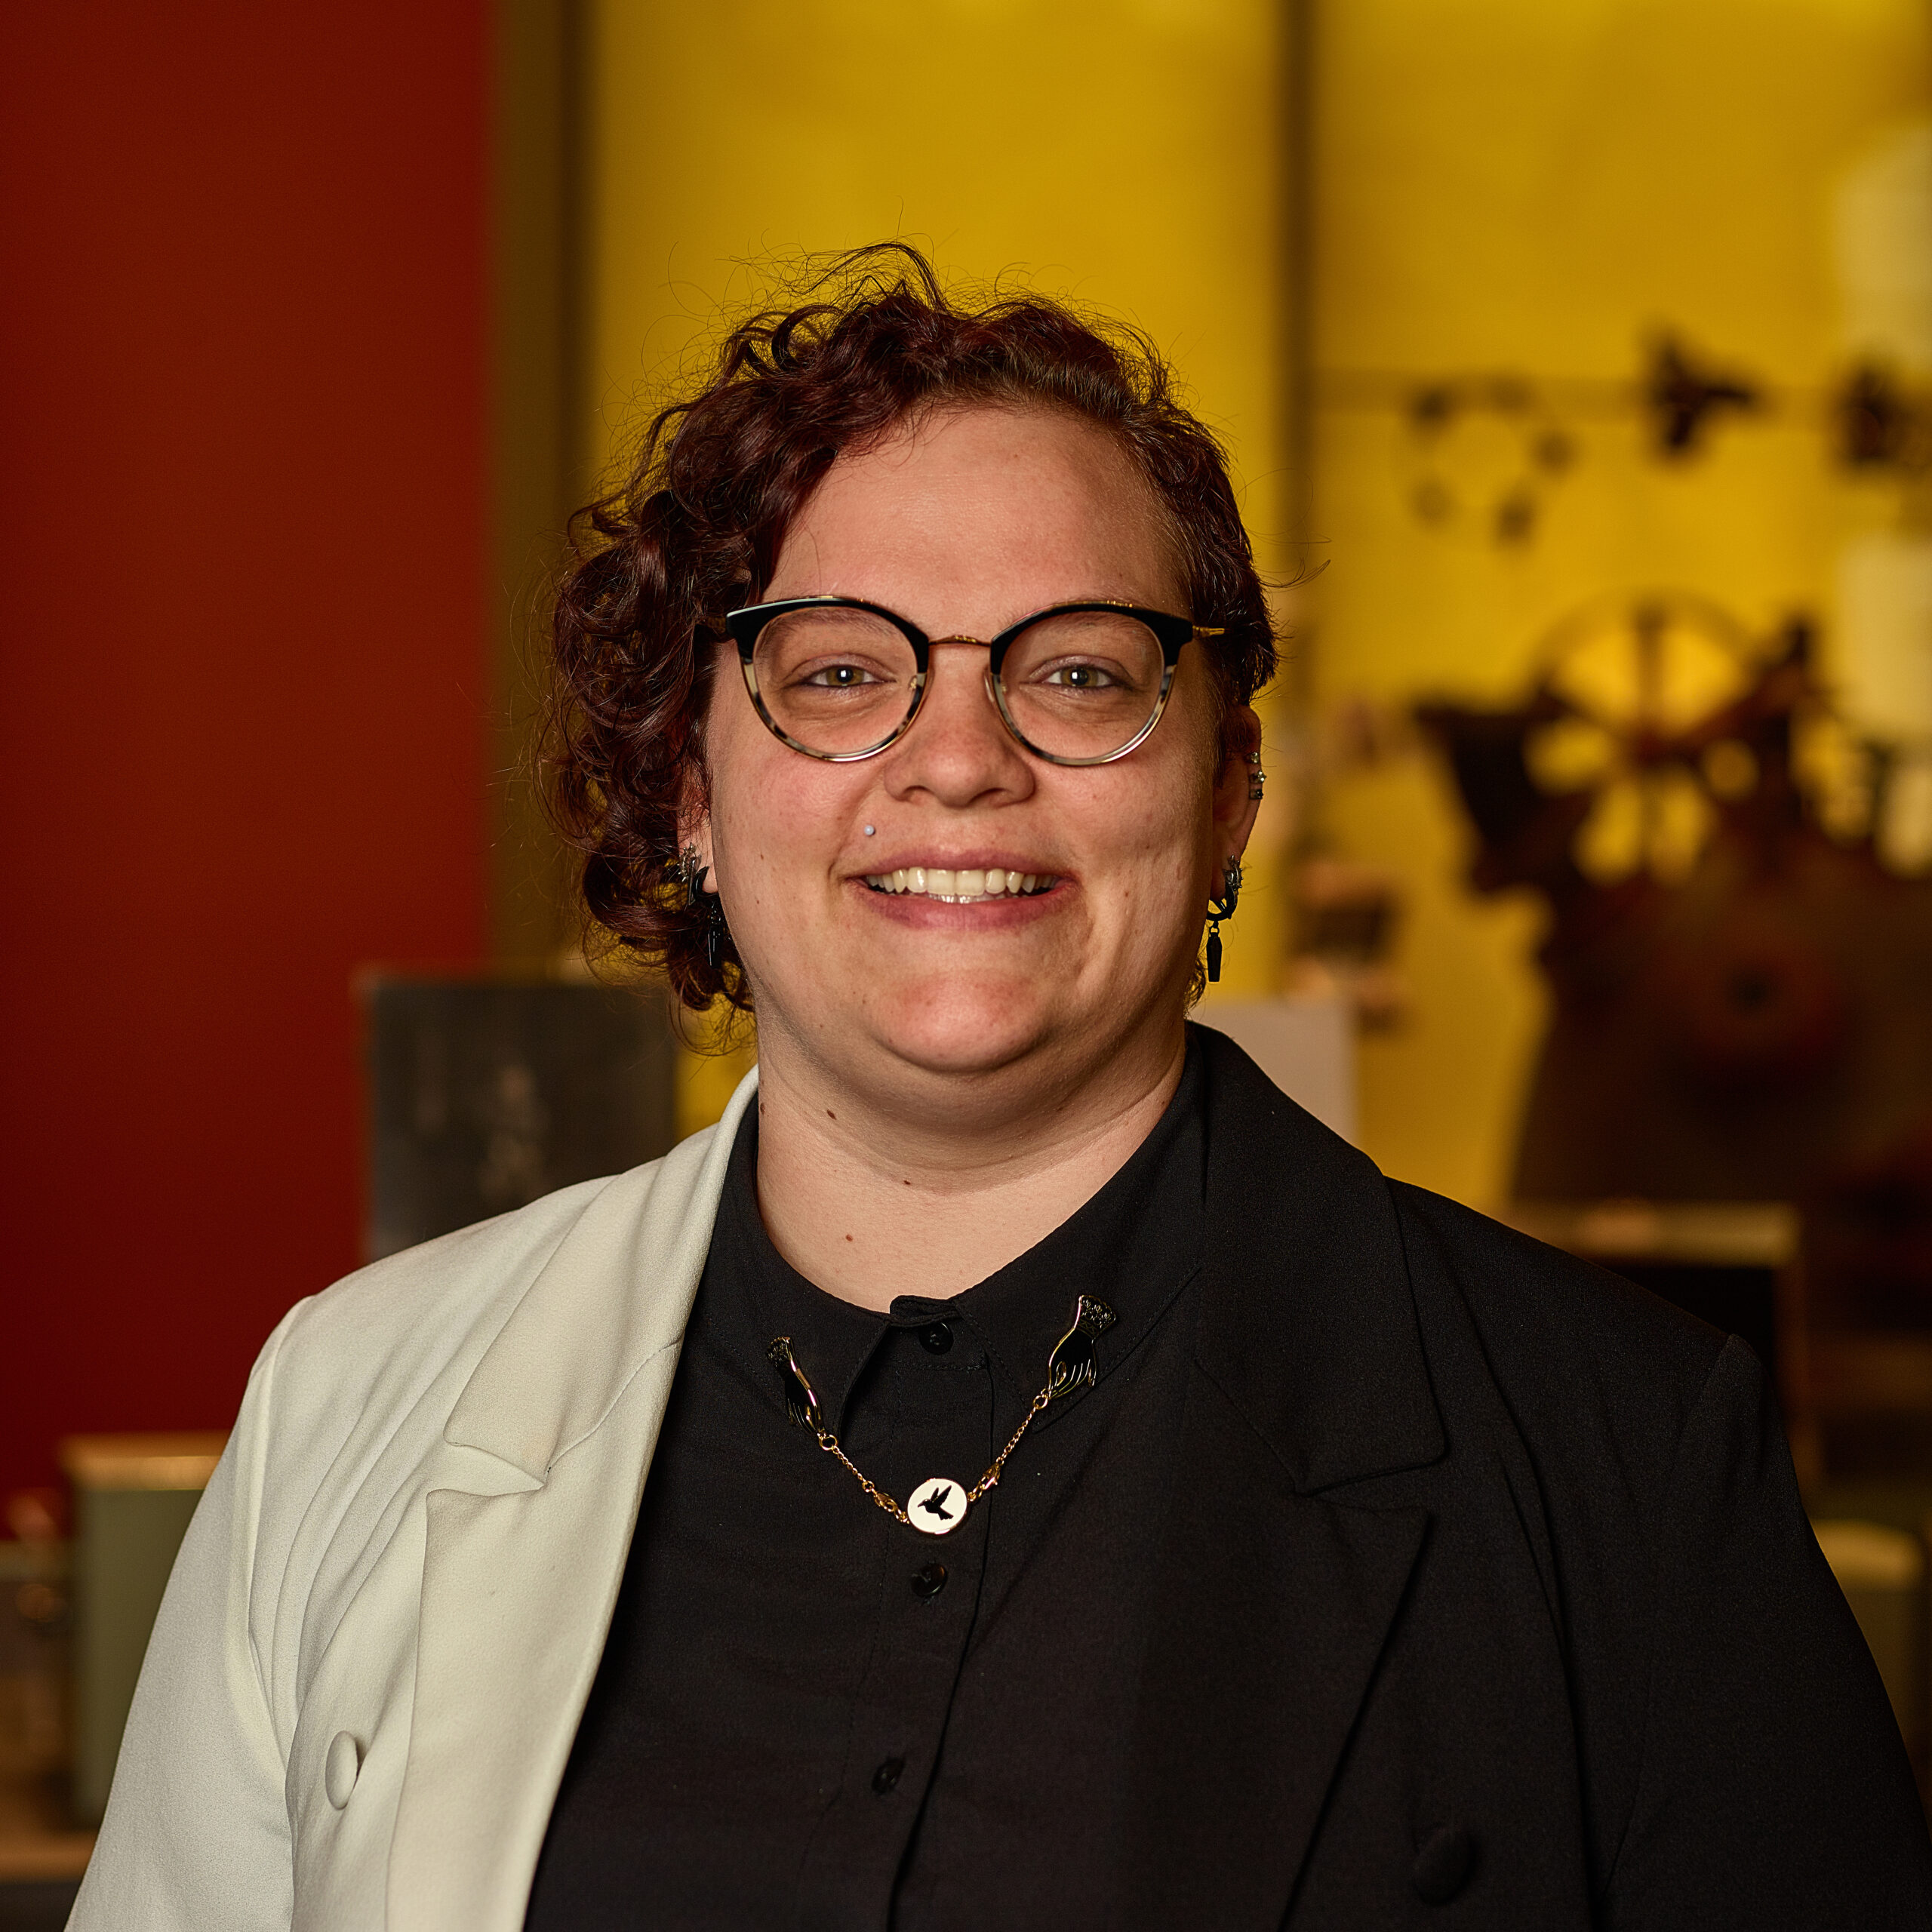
pixel 368 1669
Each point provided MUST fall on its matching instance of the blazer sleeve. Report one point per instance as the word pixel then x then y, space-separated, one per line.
pixel 1774 1789
pixel 196 1837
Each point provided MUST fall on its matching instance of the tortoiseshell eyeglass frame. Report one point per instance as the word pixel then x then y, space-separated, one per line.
pixel 1170 632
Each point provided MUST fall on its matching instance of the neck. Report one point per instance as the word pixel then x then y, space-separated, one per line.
pixel 927 1193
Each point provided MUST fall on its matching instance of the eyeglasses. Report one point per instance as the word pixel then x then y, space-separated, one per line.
pixel 1078 684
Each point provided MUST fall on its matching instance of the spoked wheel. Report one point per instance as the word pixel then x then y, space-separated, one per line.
pixel 1638 686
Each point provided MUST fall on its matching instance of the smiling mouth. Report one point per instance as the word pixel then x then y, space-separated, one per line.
pixel 964 887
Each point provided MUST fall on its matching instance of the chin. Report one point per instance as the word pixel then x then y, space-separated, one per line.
pixel 962 1028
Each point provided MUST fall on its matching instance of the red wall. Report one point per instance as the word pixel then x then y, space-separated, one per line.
pixel 242 740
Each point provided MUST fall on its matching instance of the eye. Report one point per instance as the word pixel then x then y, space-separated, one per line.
pixel 841 677
pixel 1081 677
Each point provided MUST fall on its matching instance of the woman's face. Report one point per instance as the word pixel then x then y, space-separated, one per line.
pixel 964 523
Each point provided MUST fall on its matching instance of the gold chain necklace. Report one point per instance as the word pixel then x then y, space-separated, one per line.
pixel 939 1505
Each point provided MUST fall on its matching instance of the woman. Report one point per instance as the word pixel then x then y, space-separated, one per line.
pixel 1069 1486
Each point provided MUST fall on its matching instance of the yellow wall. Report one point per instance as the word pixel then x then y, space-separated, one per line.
pixel 1125 154
pixel 1531 184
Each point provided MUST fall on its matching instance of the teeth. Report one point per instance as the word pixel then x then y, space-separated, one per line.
pixel 963 887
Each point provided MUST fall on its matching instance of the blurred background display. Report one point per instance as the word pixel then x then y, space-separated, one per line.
pixel 485 1095
pixel 1575 364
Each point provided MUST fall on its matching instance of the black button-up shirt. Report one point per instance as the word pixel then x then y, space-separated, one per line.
pixel 808 1714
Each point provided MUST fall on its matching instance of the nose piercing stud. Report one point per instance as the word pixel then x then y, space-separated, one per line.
pixel 870 829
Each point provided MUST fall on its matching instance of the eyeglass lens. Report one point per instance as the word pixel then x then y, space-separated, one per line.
pixel 1077 685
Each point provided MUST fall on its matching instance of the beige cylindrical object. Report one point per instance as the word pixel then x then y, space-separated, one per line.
pixel 133 1497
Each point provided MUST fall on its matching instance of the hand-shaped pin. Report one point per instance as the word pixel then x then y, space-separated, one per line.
pixel 1071 1366
pixel 800 1404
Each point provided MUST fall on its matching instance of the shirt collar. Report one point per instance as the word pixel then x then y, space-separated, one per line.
pixel 1134 1245
pixel 757 1294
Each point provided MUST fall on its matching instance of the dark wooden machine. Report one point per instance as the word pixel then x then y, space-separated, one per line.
pixel 1741 983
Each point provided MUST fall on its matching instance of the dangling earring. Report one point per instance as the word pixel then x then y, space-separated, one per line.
pixel 695 874
pixel 1220 909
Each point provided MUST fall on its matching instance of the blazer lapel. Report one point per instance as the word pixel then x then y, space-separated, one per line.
pixel 1273 1601
pixel 519 1582
pixel 1270 1611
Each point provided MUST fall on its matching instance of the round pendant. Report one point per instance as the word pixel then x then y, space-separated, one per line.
pixel 937 1505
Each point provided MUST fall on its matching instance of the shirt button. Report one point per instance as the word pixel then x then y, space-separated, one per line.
pixel 887 1775
pixel 937 1340
pixel 927 1583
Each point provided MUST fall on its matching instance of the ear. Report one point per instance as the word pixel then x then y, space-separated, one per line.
pixel 694 825
pixel 694 808
pixel 1236 782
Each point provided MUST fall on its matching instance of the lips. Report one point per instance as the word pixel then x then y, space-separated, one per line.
pixel 960 886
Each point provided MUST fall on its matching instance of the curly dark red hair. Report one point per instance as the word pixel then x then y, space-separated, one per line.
pixel 696 529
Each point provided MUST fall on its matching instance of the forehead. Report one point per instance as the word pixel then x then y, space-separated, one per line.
pixel 1031 503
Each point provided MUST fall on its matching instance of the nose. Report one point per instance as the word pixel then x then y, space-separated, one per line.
pixel 959 751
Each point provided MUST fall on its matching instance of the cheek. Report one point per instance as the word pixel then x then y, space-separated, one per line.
pixel 744 773
pixel 780 824
pixel 1174 810
pixel 1154 847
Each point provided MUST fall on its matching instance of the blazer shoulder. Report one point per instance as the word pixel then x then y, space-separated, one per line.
pixel 1559 1304
pixel 365 1374
pixel 1580 1356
